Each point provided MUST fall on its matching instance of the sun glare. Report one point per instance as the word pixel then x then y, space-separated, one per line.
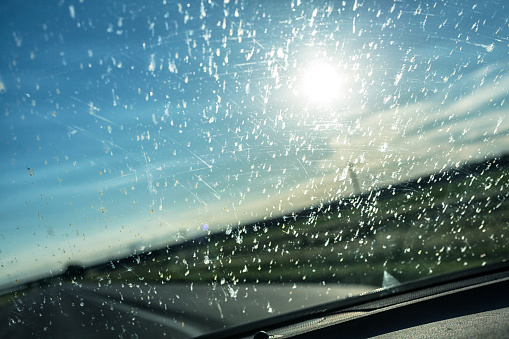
pixel 322 83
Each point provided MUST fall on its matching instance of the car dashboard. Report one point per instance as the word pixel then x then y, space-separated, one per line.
pixel 472 304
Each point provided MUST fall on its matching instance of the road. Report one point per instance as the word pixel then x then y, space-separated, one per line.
pixel 174 310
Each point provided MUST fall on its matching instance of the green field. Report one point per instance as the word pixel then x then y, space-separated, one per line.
pixel 427 227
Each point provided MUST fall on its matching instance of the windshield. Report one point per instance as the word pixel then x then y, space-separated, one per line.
pixel 232 160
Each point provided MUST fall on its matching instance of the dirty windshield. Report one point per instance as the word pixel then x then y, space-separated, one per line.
pixel 183 167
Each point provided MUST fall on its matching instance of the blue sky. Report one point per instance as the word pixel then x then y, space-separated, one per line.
pixel 128 125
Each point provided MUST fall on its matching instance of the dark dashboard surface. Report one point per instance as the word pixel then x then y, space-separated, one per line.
pixel 459 307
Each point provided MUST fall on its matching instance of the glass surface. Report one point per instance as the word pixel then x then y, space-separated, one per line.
pixel 220 162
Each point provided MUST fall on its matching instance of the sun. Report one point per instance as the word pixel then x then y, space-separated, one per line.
pixel 322 83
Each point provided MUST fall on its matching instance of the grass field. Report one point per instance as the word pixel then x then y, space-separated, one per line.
pixel 434 225
pixel 438 224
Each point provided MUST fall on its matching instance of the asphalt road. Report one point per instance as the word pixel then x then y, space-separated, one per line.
pixel 144 310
